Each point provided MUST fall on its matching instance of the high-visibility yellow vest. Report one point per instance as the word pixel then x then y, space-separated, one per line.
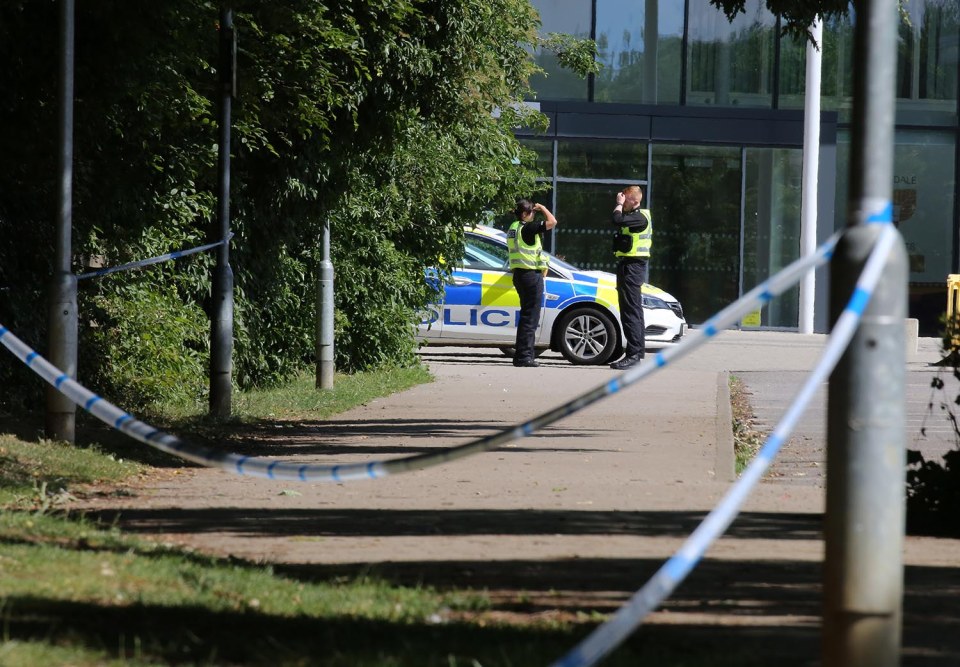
pixel 524 255
pixel 640 242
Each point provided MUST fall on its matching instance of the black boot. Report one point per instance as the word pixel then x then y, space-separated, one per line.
pixel 627 362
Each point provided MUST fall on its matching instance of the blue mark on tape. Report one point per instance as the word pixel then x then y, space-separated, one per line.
pixel 335 473
pixel 303 473
pixel 677 567
pixel 151 434
pixel 769 449
pixel 60 380
pixel 270 469
pixel 766 296
pixel 90 401
pixel 858 302
pixel 660 360
pixel 240 463
pixel 30 357
pixel 4 331
pixel 527 428
pixel 121 420
pixel 710 329
pixel 370 470
pixel 882 216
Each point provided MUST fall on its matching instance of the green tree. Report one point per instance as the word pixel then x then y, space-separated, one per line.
pixel 375 116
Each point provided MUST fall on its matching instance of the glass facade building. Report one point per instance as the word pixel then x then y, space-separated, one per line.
pixel 706 115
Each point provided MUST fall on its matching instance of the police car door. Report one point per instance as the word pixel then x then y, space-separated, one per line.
pixel 481 304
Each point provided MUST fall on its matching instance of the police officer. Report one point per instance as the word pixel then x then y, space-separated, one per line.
pixel 529 266
pixel 632 247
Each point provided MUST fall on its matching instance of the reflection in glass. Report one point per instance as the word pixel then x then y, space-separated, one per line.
pixel 696 226
pixel 543 149
pixel 923 187
pixel 640 45
pixel 584 230
pixel 836 74
pixel 771 226
pixel 731 63
pixel 927 55
pixel 603 159
pixel 563 16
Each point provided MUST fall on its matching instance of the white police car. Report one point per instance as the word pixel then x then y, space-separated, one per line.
pixel 580 317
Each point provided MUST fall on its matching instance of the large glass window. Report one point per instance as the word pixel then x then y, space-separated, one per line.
pixel 584 233
pixel 731 63
pixel 771 226
pixel 640 45
pixel 695 203
pixel 572 17
pixel 927 57
pixel 619 160
pixel 924 183
pixel 923 187
pixel 836 73
pixel 543 155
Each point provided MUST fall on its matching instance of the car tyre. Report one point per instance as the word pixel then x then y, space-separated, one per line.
pixel 587 336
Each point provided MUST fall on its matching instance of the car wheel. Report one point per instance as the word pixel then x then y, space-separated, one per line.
pixel 587 336
pixel 510 350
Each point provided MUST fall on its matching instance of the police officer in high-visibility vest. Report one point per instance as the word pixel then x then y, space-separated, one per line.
pixel 631 245
pixel 529 265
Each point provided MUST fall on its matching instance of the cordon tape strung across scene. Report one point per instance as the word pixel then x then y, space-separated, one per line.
pixel 177 254
pixel 283 470
pixel 610 634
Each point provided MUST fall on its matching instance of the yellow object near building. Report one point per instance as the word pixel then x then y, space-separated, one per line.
pixel 753 319
pixel 953 288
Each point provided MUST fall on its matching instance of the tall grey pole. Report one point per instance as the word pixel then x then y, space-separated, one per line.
pixel 811 165
pixel 221 317
pixel 62 296
pixel 324 334
pixel 866 453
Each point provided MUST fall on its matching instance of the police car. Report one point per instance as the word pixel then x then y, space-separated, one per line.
pixel 580 317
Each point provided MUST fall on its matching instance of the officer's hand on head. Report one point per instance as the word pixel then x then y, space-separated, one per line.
pixel 621 198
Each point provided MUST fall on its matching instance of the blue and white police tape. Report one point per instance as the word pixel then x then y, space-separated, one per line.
pixel 281 470
pixel 611 633
pixel 177 254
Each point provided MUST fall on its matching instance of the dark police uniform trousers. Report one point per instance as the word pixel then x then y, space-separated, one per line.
pixel 529 285
pixel 631 274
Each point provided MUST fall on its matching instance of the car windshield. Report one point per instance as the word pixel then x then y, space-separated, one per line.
pixel 485 252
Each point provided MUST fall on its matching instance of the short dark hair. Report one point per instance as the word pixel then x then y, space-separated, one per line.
pixel 524 206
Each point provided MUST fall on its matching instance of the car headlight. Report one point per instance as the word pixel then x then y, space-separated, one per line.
pixel 654 303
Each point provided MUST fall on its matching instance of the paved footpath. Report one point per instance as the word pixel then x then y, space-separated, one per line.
pixel 577 515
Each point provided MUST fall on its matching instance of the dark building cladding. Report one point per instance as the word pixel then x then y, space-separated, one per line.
pixel 707 117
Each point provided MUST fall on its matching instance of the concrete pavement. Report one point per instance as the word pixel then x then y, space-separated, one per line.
pixel 573 518
pixel 662 445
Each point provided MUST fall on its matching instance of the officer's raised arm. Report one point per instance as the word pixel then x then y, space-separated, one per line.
pixel 550 221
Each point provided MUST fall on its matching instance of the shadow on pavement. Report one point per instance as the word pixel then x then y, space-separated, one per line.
pixel 258 522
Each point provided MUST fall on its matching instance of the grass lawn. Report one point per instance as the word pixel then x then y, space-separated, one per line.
pixel 79 594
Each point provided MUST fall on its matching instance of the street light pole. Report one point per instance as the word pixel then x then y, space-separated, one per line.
pixel 866 432
pixel 221 316
pixel 62 297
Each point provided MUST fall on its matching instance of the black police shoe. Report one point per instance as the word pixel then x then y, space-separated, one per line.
pixel 626 362
pixel 531 363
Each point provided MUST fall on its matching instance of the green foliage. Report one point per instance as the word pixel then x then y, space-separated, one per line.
pixel 375 117
pixel 933 488
pixel 153 347
pixel 797 15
